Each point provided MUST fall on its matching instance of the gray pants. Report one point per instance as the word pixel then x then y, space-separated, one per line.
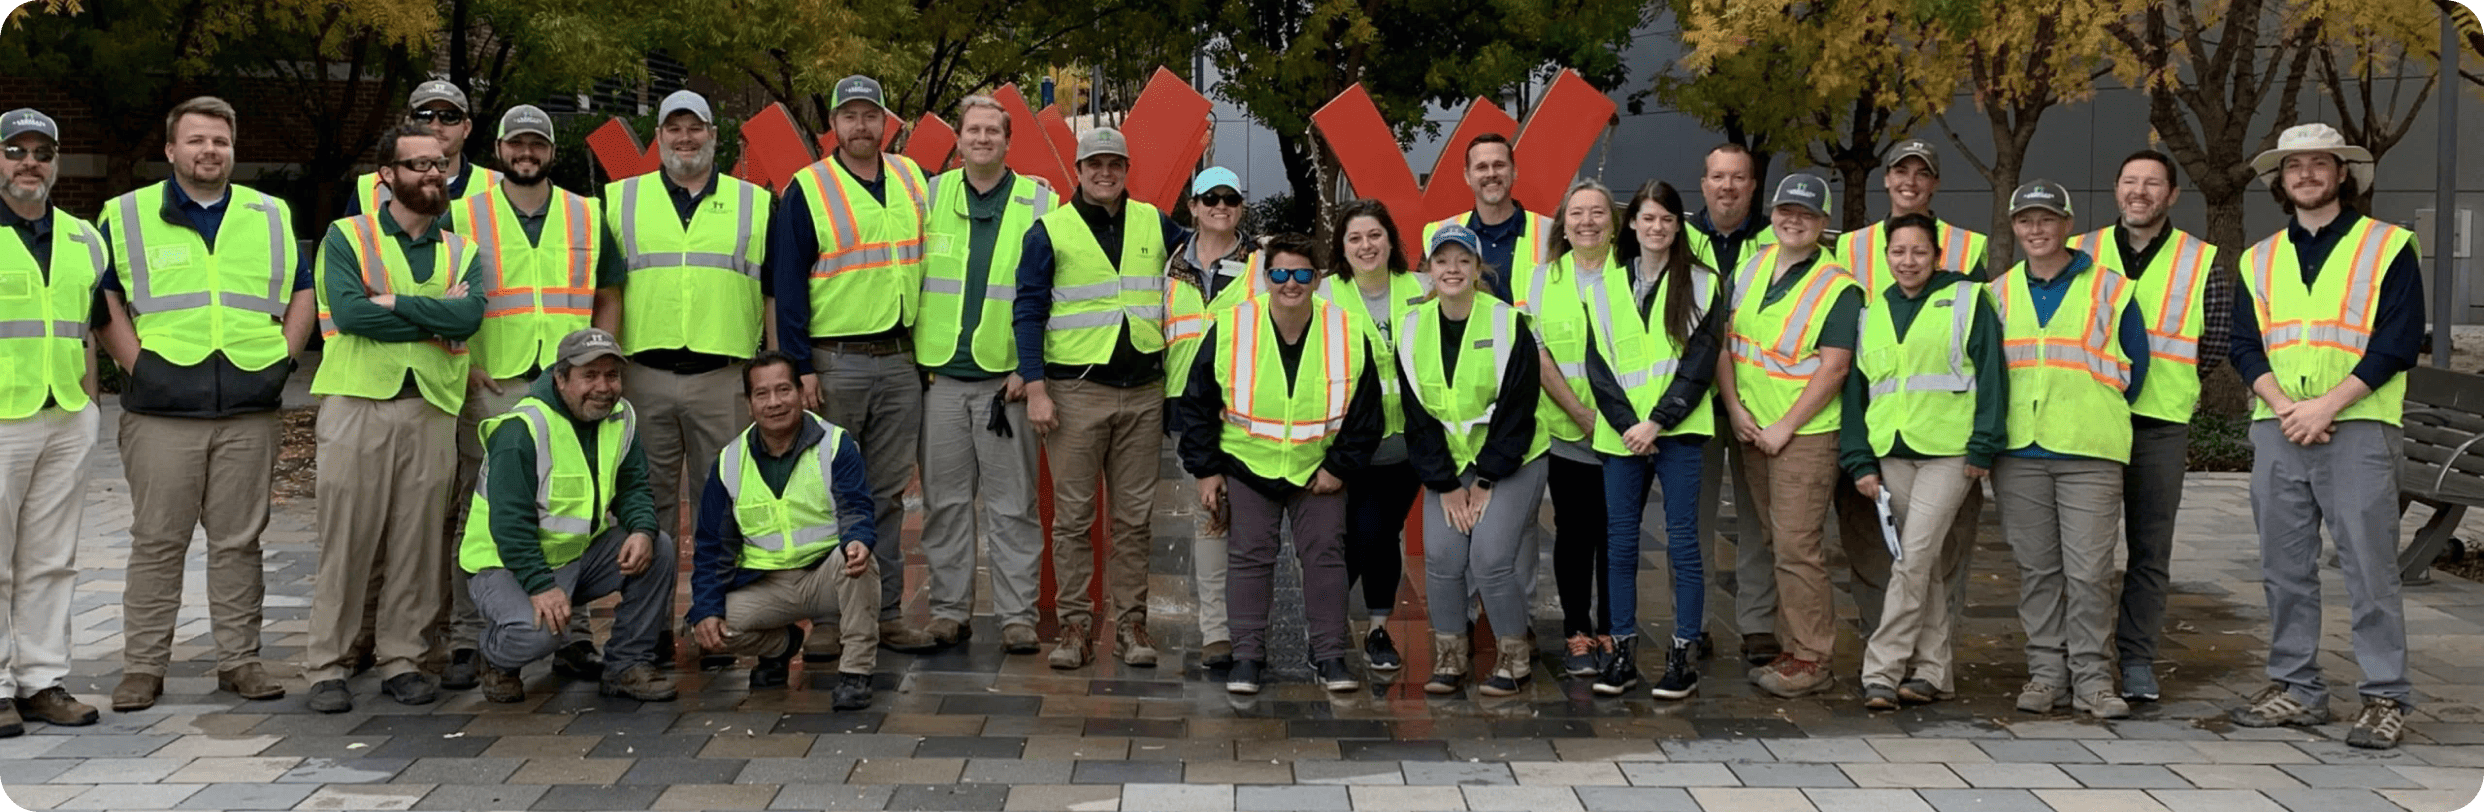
pixel 1755 561
pixel 964 463
pixel 1488 561
pixel 513 639
pixel 2351 483
pixel 2064 521
pixel 879 400
pixel 2151 498
pixel 1256 539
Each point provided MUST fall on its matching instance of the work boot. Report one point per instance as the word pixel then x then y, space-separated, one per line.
pixel 2102 704
pixel 11 724
pixel 330 696
pixel 137 692
pixel 2380 724
pixel 1918 692
pixel 463 671
pixel 853 692
pixel 1071 651
pixel 249 681
pixel 1130 640
pixel 54 706
pixel 1020 638
pixel 774 672
pixel 1879 697
pixel 1761 649
pixel 1795 677
pixel 640 682
pixel 1449 660
pixel 1511 668
pixel 946 632
pixel 502 685
pixel 2274 706
pixel 578 661
pixel 412 688
pixel 895 635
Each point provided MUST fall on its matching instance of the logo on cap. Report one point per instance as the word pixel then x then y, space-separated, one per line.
pixel 2039 193
pixel 1801 191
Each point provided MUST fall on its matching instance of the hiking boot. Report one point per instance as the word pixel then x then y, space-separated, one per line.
pixel 1381 651
pixel 330 696
pixel 1131 642
pixel 895 635
pixel 946 632
pixel 54 706
pixel 501 685
pixel 1879 697
pixel 1218 654
pixel 1797 677
pixel 1449 656
pixel 249 681
pixel 853 692
pixel 2274 706
pixel 1020 638
pixel 2139 682
pixel 1244 678
pixel 1336 676
pixel 2037 697
pixel 2379 726
pixel 11 724
pixel 412 688
pixel 1761 649
pixel 1681 679
pixel 2102 704
pixel 640 682
pixel 578 661
pixel 1918 692
pixel 773 672
pixel 1072 649
pixel 137 692
pixel 1621 669
pixel 1510 669
pixel 463 671
pixel 1583 659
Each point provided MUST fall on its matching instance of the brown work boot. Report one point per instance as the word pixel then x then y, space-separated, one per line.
pixel 946 632
pixel 55 706
pixel 895 635
pixel 136 692
pixel 1071 651
pixel 249 681
pixel 640 682
pixel 502 685
pixel 1136 648
pixel 11 724
pixel 1020 638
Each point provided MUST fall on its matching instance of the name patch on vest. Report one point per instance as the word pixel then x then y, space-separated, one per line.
pixel 168 256
pixel 939 243
pixel 17 285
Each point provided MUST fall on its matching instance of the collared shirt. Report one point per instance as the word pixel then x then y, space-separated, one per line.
pixel 1500 248
pixel 2136 257
pixel 1129 367
pixel 1728 245
pixel 2397 326
pixel 686 202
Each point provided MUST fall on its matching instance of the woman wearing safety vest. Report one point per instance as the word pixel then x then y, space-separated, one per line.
pixel 1791 337
pixel 1467 364
pixel 1581 248
pixel 1218 267
pixel 1283 404
pixel 1658 321
pixel 2078 352
pixel 1923 419
pixel 1373 284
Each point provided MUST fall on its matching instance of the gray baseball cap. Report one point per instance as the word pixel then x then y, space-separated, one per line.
pixel 525 118
pixel 1802 189
pixel 1919 149
pixel 25 120
pixel 588 344
pixel 858 88
pixel 2041 194
pixel 437 90
pixel 682 100
pixel 1102 141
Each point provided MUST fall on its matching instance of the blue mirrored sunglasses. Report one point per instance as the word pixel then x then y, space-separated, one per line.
pixel 1277 276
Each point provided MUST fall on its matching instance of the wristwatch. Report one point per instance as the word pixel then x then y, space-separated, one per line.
pixel 1482 483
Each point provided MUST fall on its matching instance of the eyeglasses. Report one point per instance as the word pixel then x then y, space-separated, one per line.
pixel 1217 199
pixel 422 164
pixel 41 155
pixel 1302 276
pixel 449 117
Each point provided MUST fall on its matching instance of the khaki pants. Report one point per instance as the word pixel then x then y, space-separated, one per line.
pixel 683 422
pixel 963 465
pixel 1793 490
pixel 43 466
pixel 1117 434
pixel 183 473
pixel 2064 522
pixel 1914 628
pixel 384 471
pixel 756 614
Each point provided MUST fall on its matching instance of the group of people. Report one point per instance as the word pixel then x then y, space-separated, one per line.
pixel 522 386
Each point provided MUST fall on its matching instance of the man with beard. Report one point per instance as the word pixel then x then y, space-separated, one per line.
pixel 2334 319
pixel 689 306
pixel 49 267
pixel 845 255
pixel 210 299
pixel 2170 269
pixel 544 252
pixel 1513 238
pixel 440 107
pixel 536 551
pixel 397 297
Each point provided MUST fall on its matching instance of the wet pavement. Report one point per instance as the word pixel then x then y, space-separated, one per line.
pixel 971 728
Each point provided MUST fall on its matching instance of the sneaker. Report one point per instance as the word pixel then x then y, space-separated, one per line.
pixel 1797 677
pixel 2139 682
pixel 1918 692
pixel 1218 654
pixel 1621 669
pixel 1020 638
pixel 1449 659
pixel 853 692
pixel 1879 697
pixel 1761 649
pixel 11 724
pixel 1130 640
pixel 774 672
pixel 249 681
pixel 1510 669
pixel 578 661
pixel 412 688
pixel 330 696
pixel 640 682
pixel 2378 727
pixel 895 635
pixel 137 692
pixel 1764 670
pixel 1336 676
pixel 1244 679
pixel 2102 704
pixel 2037 697
pixel 2274 706
pixel 1071 650
pixel 1583 658
pixel 1681 679
pixel 1381 651
pixel 464 670
pixel 946 632
pixel 501 685
pixel 54 706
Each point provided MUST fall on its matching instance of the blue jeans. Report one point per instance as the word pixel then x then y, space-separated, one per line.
pixel 1675 465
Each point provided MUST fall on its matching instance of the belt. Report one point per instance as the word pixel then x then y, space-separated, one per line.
pixel 885 346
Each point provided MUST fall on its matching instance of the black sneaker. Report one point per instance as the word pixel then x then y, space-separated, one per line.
pixel 1621 668
pixel 412 688
pixel 464 670
pixel 330 696
pixel 1680 679
pixel 853 692
pixel 1381 651
pixel 579 661
pixel 1583 658
pixel 1336 676
pixel 1244 678
pixel 771 672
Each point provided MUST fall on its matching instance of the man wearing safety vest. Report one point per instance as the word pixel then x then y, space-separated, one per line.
pixel 544 252
pixel 563 518
pixel 1791 340
pixel 688 305
pixel 210 299
pixel 2077 351
pixel 1512 237
pixel 976 443
pixel 1283 404
pixel 440 107
pixel 785 535
pixel 1216 269
pixel 1720 235
pixel 398 297
pixel 2170 269
pixel 2334 320
pixel 845 260
pixel 1090 324
pixel 49 266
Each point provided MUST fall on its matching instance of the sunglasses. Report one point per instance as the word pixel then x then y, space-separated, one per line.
pixel 1300 276
pixel 448 117
pixel 1220 199
pixel 43 155
pixel 422 164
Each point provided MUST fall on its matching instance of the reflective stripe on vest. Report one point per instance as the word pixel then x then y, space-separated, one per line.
pixel 948 238
pixel 693 286
pixel 1244 363
pixel 867 276
pixel 188 299
pixel 534 292
pixel 1093 295
pixel 1867 259
pixel 362 367
pixel 567 521
pixel 1640 351
pixel 2316 334
pixel 1920 385
pixel 2030 345
pixel 1187 315
pixel 802 524
pixel 1786 355
pixel 43 318
pixel 1465 403
pixel 1406 290
pixel 1959 378
pixel 736 262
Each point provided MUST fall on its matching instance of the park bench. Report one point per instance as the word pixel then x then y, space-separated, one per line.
pixel 2443 466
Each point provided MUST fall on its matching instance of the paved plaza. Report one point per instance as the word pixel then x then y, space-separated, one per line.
pixel 973 729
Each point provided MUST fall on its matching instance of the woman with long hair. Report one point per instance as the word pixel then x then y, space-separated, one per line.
pixel 1373 284
pixel 1582 253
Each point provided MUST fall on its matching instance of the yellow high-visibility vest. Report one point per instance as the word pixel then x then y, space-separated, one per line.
pixel 1775 347
pixel 790 530
pixel 947 238
pixel 1406 290
pixel 690 288
pixel 1281 428
pixel 43 322
pixel 1092 298
pixel 573 495
pixel 2067 376
pixel 366 368
pixel 2315 335
pixel 2173 295
pixel 1643 354
pixel 534 293
pixel 187 299
pixel 1463 407
pixel 869 274
pixel 1922 385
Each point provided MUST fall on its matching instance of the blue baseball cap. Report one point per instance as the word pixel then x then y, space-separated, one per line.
pixel 1212 177
pixel 1460 235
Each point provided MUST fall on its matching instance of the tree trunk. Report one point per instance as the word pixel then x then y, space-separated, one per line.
pixel 1853 198
pixel 1303 211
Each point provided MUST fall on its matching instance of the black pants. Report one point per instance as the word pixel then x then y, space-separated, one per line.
pixel 1377 501
pixel 1578 546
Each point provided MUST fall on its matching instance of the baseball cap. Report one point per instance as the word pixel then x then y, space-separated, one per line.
pixel 436 90
pixel 1802 189
pixel 1916 148
pixel 525 118
pixel 1212 177
pixel 588 344
pixel 682 100
pixel 1458 234
pixel 25 120
pixel 2041 194
pixel 1102 141
pixel 858 88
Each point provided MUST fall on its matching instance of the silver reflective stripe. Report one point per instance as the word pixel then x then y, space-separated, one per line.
pixel 1923 383
pixel 695 259
pixel 2186 268
pixel 1073 321
pixel 94 249
pixel 1148 284
pixel 866 256
pixel 277 272
pixel 627 223
pixel 1961 323
pixel 486 232
pixel 1074 293
pixel 741 229
pixel 42 329
pixel 2174 346
pixel 565 524
pixel 540 426
pixel 134 256
pixel 510 301
pixel 935 284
